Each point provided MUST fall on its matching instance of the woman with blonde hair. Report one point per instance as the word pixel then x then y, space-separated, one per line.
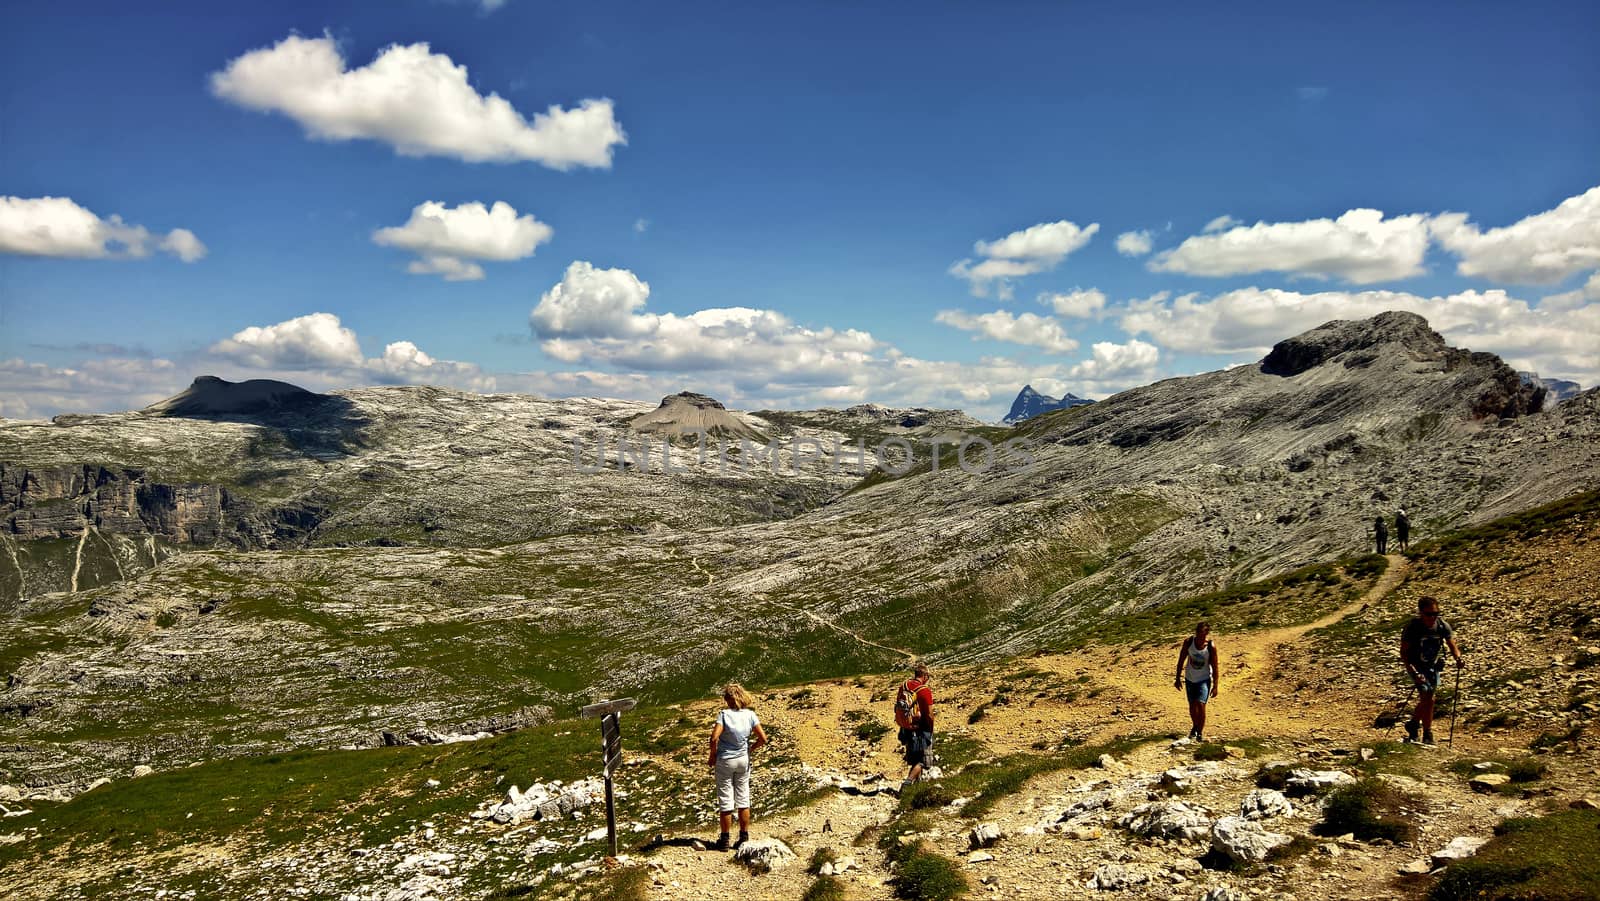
pixel 730 760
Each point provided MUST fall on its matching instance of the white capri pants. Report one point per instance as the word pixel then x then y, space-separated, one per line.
pixel 733 784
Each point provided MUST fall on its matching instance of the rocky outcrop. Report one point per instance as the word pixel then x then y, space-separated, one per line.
pixel 1555 390
pixel 1355 343
pixel 60 501
pixel 764 855
pixel 1499 391
pixel 1245 841
pixel 688 413
pixel 1167 819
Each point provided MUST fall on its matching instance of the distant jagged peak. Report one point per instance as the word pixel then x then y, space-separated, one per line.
pixel 1306 350
pixel 213 396
pixel 1556 390
pixel 1031 403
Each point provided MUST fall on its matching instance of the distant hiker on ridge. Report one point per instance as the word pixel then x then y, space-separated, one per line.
pixel 913 713
pixel 1421 644
pixel 730 760
pixel 1402 529
pixel 1198 671
pixel 1380 532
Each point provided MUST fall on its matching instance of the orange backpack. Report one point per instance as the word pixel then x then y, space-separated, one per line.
pixel 905 704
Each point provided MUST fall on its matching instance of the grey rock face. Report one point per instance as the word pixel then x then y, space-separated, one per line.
pixel 764 855
pixel 1097 800
pixel 1113 877
pixel 1244 840
pixel 1263 804
pixel 1312 782
pixel 984 835
pixel 1167 819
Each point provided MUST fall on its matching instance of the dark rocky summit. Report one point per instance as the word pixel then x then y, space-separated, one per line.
pixel 1500 391
pixel 211 396
pixel 1030 403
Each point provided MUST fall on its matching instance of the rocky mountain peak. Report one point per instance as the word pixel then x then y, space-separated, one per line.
pixel 209 395
pixel 702 401
pixel 686 412
pixel 1293 356
pixel 1031 403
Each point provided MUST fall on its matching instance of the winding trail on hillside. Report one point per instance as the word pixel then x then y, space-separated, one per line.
pixel 1247 704
pixel 824 621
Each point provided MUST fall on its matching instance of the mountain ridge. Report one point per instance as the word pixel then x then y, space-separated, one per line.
pixel 1030 403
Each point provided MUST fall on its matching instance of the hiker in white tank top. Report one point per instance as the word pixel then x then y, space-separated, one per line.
pixel 1199 667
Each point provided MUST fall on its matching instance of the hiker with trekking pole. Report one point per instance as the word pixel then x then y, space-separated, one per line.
pixel 1422 644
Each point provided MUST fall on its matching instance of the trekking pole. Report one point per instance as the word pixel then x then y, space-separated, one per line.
pixel 1455 704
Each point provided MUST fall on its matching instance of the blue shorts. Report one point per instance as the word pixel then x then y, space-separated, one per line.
pixel 1199 692
pixel 1428 680
pixel 917 742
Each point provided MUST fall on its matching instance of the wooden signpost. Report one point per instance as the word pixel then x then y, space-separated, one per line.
pixel 610 715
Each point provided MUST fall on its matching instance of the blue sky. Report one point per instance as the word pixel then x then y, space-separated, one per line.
pixel 820 167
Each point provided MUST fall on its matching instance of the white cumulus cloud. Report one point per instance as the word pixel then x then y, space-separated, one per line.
pixel 1076 304
pixel 446 239
pixel 1028 329
pixel 1135 243
pixel 59 227
pixel 593 303
pixel 309 342
pixel 1221 223
pixel 1034 249
pixel 1569 300
pixel 1110 360
pixel 596 316
pixel 1360 246
pixel 419 102
pixel 1539 249
pixel 318 350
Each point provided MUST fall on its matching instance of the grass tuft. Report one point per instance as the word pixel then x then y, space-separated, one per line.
pixel 1555 857
pixel 1371 809
pixel 825 888
pixel 925 875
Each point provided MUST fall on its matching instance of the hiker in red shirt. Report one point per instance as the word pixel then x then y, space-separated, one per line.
pixel 913 713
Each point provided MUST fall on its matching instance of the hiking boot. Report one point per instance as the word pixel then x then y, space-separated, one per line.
pixel 1427 736
pixel 722 843
pixel 743 837
pixel 1411 729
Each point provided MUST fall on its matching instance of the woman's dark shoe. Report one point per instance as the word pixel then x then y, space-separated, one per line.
pixel 743 837
pixel 722 842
